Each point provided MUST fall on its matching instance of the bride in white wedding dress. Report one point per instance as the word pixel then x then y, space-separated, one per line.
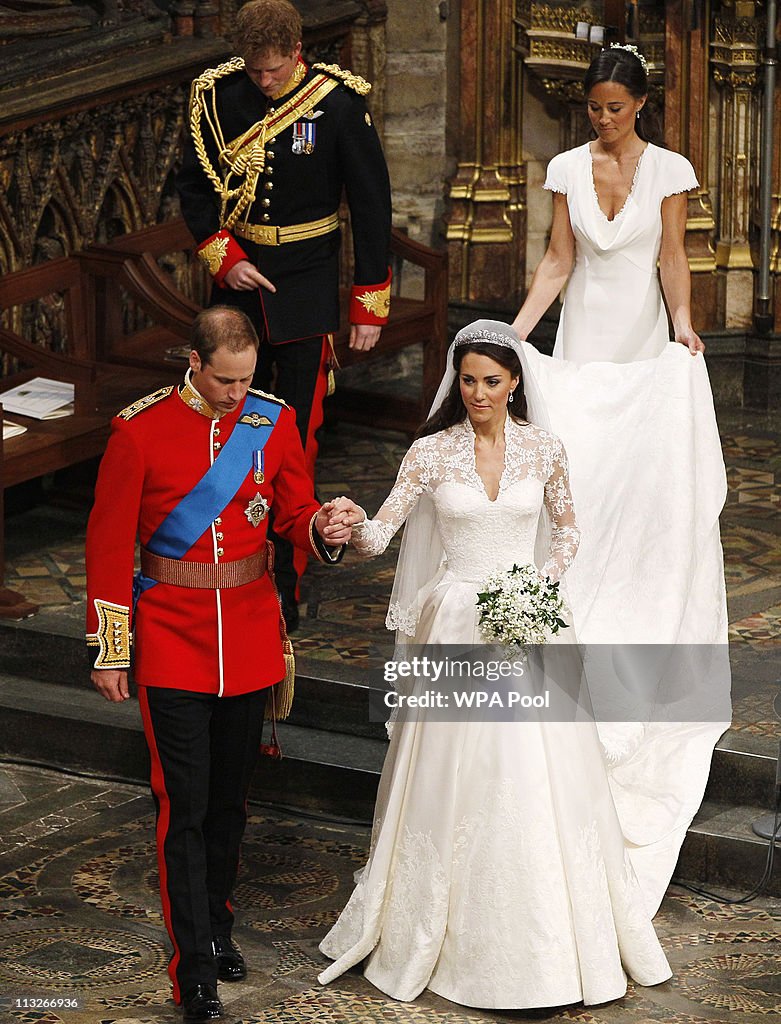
pixel 497 875
pixel 635 413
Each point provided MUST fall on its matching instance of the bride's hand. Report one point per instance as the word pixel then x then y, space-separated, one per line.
pixel 345 511
pixel 689 337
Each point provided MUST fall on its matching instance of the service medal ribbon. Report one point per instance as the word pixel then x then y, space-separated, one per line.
pixel 257 466
pixel 304 137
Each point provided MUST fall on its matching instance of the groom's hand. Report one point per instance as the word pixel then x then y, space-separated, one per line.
pixel 331 526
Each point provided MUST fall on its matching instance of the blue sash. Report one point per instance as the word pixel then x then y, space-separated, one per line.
pixel 197 510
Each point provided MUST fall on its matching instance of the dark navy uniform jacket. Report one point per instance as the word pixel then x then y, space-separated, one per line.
pixel 338 152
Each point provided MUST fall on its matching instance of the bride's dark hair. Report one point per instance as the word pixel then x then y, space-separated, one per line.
pixel 625 68
pixel 453 410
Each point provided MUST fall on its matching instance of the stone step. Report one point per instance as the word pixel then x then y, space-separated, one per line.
pixel 73 728
pixel 49 648
pixel 722 851
pixel 335 774
pixel 741 776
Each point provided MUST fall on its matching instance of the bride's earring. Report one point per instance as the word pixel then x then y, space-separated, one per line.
pixel 511 397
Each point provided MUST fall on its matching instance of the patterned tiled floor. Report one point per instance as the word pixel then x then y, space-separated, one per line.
pixel 79 923
pixel 79 913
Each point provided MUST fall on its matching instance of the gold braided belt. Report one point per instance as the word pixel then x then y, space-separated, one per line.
pixel 270 234
pixel 203 575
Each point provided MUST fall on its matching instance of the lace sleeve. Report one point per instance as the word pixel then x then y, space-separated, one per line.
pixel 565 535
pixel 372 536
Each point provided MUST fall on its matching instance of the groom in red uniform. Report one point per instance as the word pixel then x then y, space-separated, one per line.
pixel 194 472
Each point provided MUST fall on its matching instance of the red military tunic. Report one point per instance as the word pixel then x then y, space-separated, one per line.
pixel 225 641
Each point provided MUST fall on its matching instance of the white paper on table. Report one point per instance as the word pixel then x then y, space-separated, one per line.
pixel 40 398
pixel 11 429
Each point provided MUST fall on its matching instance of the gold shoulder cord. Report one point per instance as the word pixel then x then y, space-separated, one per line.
pixel 202 86
pixel 205 83
pixel 244 157
pixel 269 396
pixel 354 82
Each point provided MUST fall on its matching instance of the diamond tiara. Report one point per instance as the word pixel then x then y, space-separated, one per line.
pixel 493 337
pixel 631 49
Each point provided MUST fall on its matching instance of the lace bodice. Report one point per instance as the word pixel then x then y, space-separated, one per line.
pixel 479 535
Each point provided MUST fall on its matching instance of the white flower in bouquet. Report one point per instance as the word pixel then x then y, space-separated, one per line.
pixel 519 607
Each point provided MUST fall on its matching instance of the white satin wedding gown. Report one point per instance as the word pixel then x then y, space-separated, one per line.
pixel 497 875
pixel 635 414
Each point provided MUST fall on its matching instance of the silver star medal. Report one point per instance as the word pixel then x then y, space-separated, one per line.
pixel 257 510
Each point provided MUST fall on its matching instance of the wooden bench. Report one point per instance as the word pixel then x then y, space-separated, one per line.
pixel 100 391
pixel 121 311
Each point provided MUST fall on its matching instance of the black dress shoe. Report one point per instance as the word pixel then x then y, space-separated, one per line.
pixel 200 1003
pixel 230 962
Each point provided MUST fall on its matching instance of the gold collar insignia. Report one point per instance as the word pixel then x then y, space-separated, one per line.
pixel 190 395
pixel 299 71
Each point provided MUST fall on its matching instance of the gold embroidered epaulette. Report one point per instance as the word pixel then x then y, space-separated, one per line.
pixel 354 82
pixel 270 397
pixel 145 403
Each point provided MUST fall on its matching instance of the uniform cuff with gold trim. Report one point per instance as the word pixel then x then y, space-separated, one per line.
pixel 370 303
pixel 220 253
pixel 323 553
pixel 113 638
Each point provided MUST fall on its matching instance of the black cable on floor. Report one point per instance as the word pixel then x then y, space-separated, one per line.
pixel 766 874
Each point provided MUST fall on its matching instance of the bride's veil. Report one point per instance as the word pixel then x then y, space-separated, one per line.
pixel 422 556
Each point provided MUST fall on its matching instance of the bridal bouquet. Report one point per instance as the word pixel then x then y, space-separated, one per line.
pixel 518 607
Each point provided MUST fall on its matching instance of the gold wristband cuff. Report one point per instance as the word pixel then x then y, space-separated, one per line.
pixel 113 638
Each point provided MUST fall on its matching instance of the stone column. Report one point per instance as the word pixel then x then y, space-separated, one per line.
pixel 687 130
pixel 415 118
pixel 735 62
pixel 485 222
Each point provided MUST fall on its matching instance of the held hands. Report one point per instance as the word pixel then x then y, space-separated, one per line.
pixel 346 511
pixel 331 525
pixel 335 520
pixel 689 337
pixel 243 277
pixel 111 683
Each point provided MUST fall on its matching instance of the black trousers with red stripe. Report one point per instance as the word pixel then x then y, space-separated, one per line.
pixel 203 750
pixel 301 381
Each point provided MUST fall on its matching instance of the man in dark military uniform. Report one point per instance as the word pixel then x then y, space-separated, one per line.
pixel 273 146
